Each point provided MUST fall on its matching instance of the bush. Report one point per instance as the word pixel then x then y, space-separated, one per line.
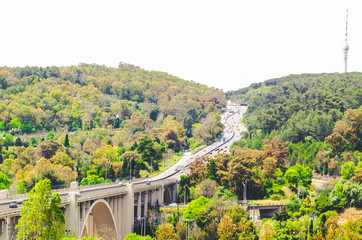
pixel 92 179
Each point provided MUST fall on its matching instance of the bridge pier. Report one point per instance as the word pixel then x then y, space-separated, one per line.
pixel 162 193
pixel 145 208
pixel 139 205
pixel 175 192
pixel 127 217
pixel 153 197
pixel 72 214
pixel 7 228
pixel 118 214
pixel 90 225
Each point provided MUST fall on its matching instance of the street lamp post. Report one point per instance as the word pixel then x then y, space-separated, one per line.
pixel 151 165
pixel 106 169
pixel 130 170
pixel 187 228
pixel 244 184
pixel 75 172
pixel 185 194
pixel 141 220
pixel 350 206
pixel 144 225
pixel 36 171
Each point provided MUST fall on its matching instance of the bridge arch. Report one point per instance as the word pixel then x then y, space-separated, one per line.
pixel 100 220
pixel 167 196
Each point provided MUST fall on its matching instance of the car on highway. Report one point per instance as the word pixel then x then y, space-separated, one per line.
pixel 20 201
pixel 13 205
pixel 179 168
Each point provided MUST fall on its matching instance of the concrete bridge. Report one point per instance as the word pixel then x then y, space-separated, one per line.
pixel 263 211
pixel 109 210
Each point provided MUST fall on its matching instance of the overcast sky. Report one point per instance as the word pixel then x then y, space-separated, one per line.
pixel 227 44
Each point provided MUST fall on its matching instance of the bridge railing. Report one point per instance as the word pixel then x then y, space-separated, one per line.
pixel 114 181
pixel 17 196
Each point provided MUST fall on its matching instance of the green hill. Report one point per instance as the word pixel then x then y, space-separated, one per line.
pixel 311 112
pixel 300 105
pixel 91 122
pixel 88 96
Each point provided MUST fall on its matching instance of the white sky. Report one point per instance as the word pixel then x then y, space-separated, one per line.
pixel 227 44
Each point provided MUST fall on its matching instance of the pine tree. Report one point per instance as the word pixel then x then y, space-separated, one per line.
pixel 66 140
pixel 18 142
pixel 50 135
pixel 211 167
pixel 311 229
pixel 116 122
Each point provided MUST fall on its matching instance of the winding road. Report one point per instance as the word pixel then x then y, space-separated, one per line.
pixel 232 132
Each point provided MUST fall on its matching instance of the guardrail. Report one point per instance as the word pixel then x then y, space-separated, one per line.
pixel 5 210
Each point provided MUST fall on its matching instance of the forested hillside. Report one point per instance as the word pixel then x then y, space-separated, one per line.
pixel 307 110
pixel 90 122
pixel 300 127
pixel 89 96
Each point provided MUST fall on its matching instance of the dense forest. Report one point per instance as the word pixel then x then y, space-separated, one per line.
pixel 90 123
pixel 319 115
pixel 300 127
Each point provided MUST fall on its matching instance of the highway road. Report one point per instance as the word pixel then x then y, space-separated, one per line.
pixel 232 132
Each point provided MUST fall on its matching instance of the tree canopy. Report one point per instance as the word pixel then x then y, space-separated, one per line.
pixel 41 217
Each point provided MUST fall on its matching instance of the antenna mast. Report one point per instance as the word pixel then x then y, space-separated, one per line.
pixel 346 47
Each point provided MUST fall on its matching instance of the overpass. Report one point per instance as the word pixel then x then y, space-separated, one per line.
pixel 108 209
pixel 263 211
pixel 111 209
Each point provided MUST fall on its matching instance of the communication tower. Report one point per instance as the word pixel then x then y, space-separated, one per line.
pixel 346 47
